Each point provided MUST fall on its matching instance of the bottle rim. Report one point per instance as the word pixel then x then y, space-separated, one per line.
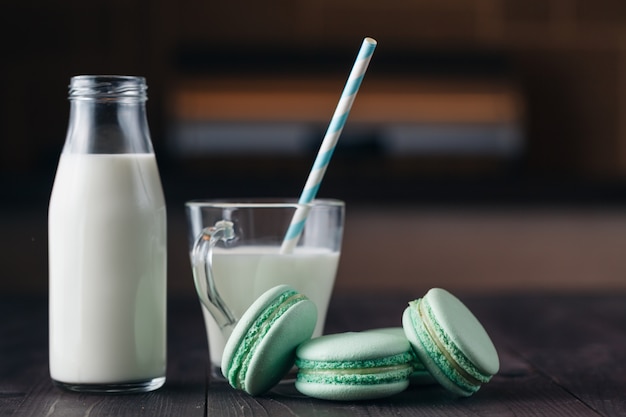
pixel 107 87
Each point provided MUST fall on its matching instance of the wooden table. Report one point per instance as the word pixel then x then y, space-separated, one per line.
pixel 560 355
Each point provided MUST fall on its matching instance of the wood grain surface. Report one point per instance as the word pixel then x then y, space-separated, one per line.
pixel 560 356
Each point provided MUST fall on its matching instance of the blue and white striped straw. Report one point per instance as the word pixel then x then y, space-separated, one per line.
pixel 328 145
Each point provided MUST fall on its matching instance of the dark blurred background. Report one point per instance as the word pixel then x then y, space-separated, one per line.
pixel 485 151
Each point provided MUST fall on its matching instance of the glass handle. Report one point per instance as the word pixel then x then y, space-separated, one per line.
pixel 202 266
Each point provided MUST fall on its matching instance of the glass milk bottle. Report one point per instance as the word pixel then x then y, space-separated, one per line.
pixel 107 244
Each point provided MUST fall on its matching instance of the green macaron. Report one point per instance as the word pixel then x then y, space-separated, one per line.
pixel 261 349
pixel 450 342
pixel 353 366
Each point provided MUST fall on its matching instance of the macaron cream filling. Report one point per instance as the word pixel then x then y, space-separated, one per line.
pixel 390 369
pixel 443 351
pixel 248 345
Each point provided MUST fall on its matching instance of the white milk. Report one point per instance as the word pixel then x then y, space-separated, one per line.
pixel 242 274
pixel 107 270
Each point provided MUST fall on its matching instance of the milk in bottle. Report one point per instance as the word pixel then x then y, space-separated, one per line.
pixel 107 244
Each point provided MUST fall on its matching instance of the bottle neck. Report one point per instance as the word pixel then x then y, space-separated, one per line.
pixel 107 116
pixel 108 87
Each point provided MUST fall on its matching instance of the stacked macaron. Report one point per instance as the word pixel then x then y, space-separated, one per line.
pixel 354 366
pixel 441 340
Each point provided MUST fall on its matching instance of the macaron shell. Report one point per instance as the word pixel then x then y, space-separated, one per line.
pixel 352 346
pixel 274 354
pixel 422 353
pixel 247 319
pixel 351 392
pixel 464 329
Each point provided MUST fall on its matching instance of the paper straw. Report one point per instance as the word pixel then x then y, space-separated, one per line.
pixel 328 144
